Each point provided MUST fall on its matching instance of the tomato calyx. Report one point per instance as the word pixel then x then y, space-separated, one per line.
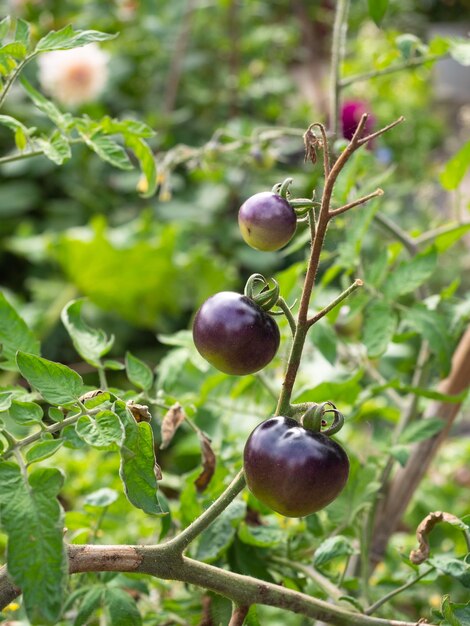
pixel 301 206
pixel 315 418
pixel 258 289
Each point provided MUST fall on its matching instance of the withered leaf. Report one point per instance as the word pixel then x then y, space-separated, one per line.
pixel 140 412
pixel 208 463
pixel 170 423
pixel 424 529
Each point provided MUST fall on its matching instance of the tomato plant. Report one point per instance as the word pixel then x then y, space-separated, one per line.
pixel 293 470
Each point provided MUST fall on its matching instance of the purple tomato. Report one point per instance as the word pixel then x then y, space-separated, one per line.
pixel 267 221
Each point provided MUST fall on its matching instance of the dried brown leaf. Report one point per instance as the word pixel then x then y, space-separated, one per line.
pixel 140 412
pixel 424 529
pixel 170 423
pixel 208 463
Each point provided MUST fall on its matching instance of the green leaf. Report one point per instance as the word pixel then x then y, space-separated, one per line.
pixel 101 498
pixel 332 548
pixel 90 602
pixel 421 430
pixel 122 608
pixel 216 540
pixel 455 169
pixel 358 494
pixel 13 124
pixel 56 149
pixel 100 431
pixel 346 390
pixel 108 150
pixel 146 160
pixel 4 27
pixel 453 567
pixel 14 333
pixel 43 104
pixel 57 383
pixel 377 10
pixel 138 372
pixel 409 275
pixel 324 338
pixel 68 38
pixel 462 613
pixel 15 49
pixel 22 32
pixel 138 463
pixel 380 324
pixel 6 399
pixel 460 51
pixel 43 450
pixel 90 343
pixel 400 453
pixel 25 413
pixel 260 536
pixel 434 328
pixel 448 614
pixel 33 520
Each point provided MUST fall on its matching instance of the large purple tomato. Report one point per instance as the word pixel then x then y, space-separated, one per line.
pixel 292 470
pixel 234 334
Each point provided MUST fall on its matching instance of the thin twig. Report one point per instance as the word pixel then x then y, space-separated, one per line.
pixel 355 78
pixel 383 130
pixel 321 581
pixel 408 242
pixel 373 607
pixel 351 205
pixel 356 284
pixel 238 615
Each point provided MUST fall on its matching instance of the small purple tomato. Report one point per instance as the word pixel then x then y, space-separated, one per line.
pixel 234 334
pixel 267 221
pixel 293 470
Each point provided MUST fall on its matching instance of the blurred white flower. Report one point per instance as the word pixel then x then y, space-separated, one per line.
pixel 75 76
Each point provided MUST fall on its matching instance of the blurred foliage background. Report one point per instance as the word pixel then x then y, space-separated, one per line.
pixel 229 87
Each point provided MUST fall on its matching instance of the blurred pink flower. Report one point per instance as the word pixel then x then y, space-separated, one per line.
pixel 73 77
pixel 351 113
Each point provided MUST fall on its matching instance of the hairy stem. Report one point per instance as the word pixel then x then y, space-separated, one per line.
pixel 373 607
pixel 356 284
pixel 398 67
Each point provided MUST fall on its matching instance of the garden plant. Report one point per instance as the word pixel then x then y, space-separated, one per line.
pixel 292 517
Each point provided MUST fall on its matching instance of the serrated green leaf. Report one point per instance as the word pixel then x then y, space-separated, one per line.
pixel 14 333
pixel 377 10
pixel 55 414
pixel 409 275
pixel 455 169
pixel 218 537
pixel 332 548
pixel 90 602
pixel 25 413
pixel 138 463
pixel 22 32
pixel 68 38
pixel 57 383
pixel 462 613
pixel 453 567
pixel 56 148
pixel 434 328
pixel 138 372
pixel 43 104
pixel 100 431
pixel 108 150
pixel 43 450
pixel 380 324
pixel 101 498
pixel 90 343
pixel 122 608
pixel 6 398
pixel 421 430
pixel 260 536
pixel 146 161
pixel 448 614
pixel 33 520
